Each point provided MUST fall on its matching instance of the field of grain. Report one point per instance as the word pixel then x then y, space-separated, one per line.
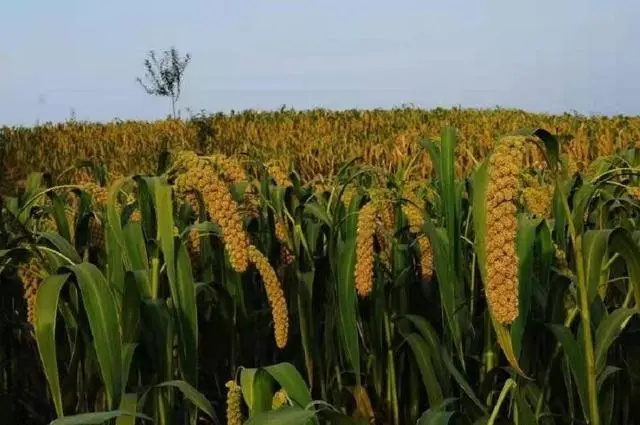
pixel 316 143
pixel 363 267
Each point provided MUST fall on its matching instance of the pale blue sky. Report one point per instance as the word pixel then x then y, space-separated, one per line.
pixel 540 55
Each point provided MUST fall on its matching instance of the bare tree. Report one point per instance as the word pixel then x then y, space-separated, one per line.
pixel 164 76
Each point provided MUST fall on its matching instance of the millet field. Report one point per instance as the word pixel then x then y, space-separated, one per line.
pixel 390 267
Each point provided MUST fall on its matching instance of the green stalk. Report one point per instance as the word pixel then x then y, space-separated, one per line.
pixel 628 298
pixel 234 335
pixel 472 291
pixel 338 377
pixel 304 327
pixel 392 391
pixel 585 315
pixel 503 394
pixel 155 276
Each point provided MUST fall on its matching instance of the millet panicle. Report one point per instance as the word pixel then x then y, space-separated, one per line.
pixel 234 403
pixel 222 209
pixel 275 295
pixel 501 287
pixel 365 249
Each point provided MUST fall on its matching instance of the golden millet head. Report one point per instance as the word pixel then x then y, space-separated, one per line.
pixel 415 218
pixel 135 216
pixel 385 227
pixel 98 194
pixel 275 295
pixel 234 403
pixel 48 224
pixel 193 245
pixel 364 249
pixel 281 230
pixel 501 286
pixel 229 168
pixel 634 191
pixel 286 257
pixel 30 279
pixel 280 398
pixel 251 202
pixel 277 173
pixel 223 210
pixel 186 159
pixel 348 194
pixel 538 200
pixel 96 232
pixel 560 257
pixel 426 257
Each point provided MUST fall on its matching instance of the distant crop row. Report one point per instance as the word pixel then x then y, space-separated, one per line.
pixel 315 143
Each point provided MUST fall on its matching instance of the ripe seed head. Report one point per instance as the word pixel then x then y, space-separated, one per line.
pixel 364 249
pixel 234 400
pixel 501 286
pixel 275 295
pixel 222 209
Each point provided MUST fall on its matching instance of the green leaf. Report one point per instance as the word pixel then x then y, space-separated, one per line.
pixel 283 416
pixel 179 273
pixel 524 411
pixel 437 415
pixel 606 373
pixel 185 310
pixel 451 282
pixel 62 245
pixel 431 338
pixel 104 321
pixel 59 216
pixel 580 208
pixel 96 418
pixel 116 250
pixel 594 246
pixel 47 299
pixel 573 352
pixel 421 352
pixel 318 212
pixel 623 243
pixel 128 351
pixel 193 395
pixel 446 278
pixel 130 309
pixel 290 379
pixel 347 324
pixel 247 377
pixel 447 175
pixel 305 314
pixel 134 245
pixel 607 333
pixel 549 143
pixel 256 385
pixel 525 241
pixel 462 382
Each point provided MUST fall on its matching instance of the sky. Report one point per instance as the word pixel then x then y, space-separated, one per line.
pixel 67 58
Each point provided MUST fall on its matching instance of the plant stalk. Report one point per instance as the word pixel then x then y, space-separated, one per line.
pixel 503 394
pixel 592 389
pixel 392 392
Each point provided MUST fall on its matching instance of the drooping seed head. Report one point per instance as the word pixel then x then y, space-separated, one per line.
pixel 365 249
pixel 223 210
pixel 501 286
pixel 234 403
pixel 275 295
